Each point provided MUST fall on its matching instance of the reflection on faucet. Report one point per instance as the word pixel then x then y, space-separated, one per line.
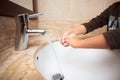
pixel 23 31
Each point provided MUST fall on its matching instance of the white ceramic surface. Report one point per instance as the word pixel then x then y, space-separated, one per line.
pixel 78 64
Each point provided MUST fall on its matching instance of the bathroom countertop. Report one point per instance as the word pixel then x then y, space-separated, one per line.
pixel 19 65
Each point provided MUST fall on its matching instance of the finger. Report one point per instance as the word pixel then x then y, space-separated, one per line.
pixel 67 41
pixel 66 45
pixel 63 39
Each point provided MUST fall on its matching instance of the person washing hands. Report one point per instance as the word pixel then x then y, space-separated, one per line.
pixel 107 40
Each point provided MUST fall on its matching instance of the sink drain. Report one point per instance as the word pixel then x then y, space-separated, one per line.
pixel 58 77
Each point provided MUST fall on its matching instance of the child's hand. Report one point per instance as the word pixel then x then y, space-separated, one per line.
pixel 73 41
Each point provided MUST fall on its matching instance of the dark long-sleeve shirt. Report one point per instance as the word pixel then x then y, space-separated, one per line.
pixel 110 17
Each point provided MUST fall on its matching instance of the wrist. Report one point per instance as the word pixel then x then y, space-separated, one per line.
pixel 80 30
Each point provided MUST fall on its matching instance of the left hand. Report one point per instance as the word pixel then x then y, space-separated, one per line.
pixel 73 41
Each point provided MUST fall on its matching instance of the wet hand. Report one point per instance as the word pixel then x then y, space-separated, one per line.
pixel 63 40
pixel 73 41
pixel 77 30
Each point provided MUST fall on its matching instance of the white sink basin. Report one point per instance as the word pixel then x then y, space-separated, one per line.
pixel 78 64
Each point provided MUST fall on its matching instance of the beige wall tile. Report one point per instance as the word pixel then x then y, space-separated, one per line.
pixel 72 10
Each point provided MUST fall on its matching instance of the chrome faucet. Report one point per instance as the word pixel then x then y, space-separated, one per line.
pixel 23 31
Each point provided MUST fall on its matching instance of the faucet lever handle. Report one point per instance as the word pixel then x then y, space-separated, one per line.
pixel 35 15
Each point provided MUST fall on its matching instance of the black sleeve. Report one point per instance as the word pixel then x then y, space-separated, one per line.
pixel 98 21
pixel 113 38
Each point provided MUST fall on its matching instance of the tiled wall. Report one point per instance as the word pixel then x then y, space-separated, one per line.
pixel 7 31
pixel 70 11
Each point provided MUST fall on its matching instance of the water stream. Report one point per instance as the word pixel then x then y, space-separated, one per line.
pixel 59 74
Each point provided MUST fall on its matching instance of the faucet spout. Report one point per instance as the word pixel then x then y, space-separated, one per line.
pixel 35 15
pixel 23 31
pixel 36 32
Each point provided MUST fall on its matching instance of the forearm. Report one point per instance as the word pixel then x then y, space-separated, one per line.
pixel 94 42
pixel 78 30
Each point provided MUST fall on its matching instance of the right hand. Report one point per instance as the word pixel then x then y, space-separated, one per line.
pixel 65 36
